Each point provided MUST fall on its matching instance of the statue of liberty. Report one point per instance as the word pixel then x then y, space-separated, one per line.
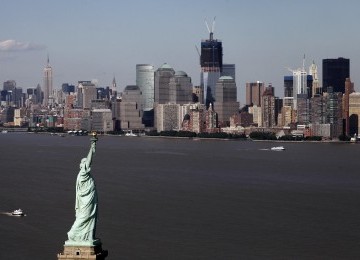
pixel 86 203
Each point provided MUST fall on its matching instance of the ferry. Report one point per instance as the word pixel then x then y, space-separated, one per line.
pixel 278 148
pixel 354 139
pixel 18 212
pixel 130 134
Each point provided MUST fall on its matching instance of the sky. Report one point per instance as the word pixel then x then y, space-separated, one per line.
pixel 88 39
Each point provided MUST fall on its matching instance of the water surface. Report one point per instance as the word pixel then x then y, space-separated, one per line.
pixel 184 199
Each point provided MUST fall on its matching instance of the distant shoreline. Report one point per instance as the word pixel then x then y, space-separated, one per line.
pixel 190 138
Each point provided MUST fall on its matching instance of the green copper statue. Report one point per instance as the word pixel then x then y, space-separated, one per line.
pixel 86 203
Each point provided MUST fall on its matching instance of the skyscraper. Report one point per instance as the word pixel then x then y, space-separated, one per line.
pixel 39 94
pixel 9 85
pixel 180 88
pixel 145 81
pixel 299 84
pixel 229 70
pixel 113 89
pixel 268 107
pixel 86 92
pixel 317 111
pixel 335 72
pixel 354 112
pixel 9 92
pixel 303 104
pixel 211 61
pixel 226 104
pixel 334 111
pixel 288 91
pixel 130 109
pixel 313 71
pixel 67 88
pixel 254 91
pixel 161 83
pixel 48 84
pixel 349 88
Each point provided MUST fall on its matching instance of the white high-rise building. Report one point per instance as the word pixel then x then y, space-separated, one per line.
pixel 299 82
pixel 299 77
pixel 314 73
pixel 48 84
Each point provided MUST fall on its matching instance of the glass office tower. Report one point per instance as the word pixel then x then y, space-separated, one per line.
pixel 145 82
pixel 335 72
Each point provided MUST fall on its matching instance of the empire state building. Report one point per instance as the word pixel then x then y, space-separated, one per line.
pixel 48 84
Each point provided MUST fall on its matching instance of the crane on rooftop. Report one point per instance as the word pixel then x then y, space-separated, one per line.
pixel 211 32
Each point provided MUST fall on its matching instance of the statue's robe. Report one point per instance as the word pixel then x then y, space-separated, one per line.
pixel 86 202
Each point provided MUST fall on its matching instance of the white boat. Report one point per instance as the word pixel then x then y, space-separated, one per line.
pixel 354 139
pixel 278 148
pixel 130 134
pixel 4 131
pixel 18 212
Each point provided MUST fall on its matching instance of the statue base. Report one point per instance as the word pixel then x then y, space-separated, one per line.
pixel 81 250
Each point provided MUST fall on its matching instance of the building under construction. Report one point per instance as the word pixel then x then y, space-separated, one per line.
pixel 211 61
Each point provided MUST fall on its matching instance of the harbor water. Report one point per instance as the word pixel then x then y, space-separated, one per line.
pixel 163 198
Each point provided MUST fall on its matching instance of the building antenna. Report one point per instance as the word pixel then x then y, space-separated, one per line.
pixel 303 67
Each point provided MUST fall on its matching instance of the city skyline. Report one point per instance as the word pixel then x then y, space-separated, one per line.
pixel 99 40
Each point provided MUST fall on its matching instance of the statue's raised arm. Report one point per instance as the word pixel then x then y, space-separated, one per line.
pixel 91 151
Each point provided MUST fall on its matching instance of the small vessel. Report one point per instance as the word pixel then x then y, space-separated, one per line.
pixel 4 131
pixel 130 134
pixel 354 139
pixel 18 212
pixel 277 148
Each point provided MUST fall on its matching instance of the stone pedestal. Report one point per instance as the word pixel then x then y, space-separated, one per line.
pixel 83 251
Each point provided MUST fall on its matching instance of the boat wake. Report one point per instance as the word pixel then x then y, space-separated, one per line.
pixel 9 214
pixel 275 148
pixel 6 213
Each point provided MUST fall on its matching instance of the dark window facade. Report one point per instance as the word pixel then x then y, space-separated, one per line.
pixel 335 72
pixel 211 54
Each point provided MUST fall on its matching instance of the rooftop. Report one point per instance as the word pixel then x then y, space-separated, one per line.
pixel 223 78
pixel 165 66
pixel 180 73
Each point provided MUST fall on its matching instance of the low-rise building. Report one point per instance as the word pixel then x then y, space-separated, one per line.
pixel 101 120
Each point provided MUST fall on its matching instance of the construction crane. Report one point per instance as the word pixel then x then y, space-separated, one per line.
pixel 211 32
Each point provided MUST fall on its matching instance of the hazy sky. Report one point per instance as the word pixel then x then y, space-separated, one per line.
pixel 100 39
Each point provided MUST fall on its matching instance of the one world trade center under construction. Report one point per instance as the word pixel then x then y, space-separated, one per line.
pixel 211 61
